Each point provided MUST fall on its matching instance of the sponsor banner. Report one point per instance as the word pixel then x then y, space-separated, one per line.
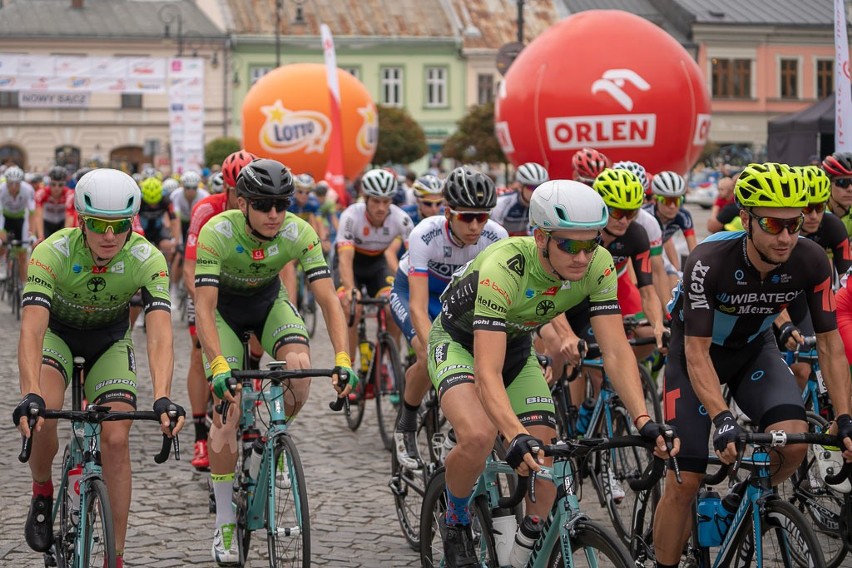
pixel 53 99
pixel 186 113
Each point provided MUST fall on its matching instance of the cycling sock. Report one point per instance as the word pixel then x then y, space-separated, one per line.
pixel 223 488
pixel 458 510
pixel 407 418
pixel 44 489
pixel 200 421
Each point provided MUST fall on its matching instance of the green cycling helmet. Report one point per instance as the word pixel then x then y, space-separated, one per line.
pixel 771 185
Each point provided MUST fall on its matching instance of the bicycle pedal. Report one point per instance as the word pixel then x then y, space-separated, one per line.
pixel 49 559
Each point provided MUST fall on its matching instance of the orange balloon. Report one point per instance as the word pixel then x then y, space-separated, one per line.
pixel 286 118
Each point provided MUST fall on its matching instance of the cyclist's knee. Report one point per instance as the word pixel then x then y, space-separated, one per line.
pixel 476 439
pixel 681 495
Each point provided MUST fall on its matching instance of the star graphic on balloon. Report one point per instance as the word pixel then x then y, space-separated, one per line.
pixel 274 112
pixel 369 114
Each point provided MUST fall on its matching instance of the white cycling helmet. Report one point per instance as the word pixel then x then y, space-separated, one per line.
pixel 567 204
pixel 668 184
pixel 107 193
pixel 190 180
pixel 531 174
pixel 428 186
pixel 636 169
pixel 14 173
pixel 304 181
pixel 169 185
pixel 379 183
pixel 216 183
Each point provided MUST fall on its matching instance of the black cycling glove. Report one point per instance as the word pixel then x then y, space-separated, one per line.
pixel 521 445
pixel 727 430
pixel 23 408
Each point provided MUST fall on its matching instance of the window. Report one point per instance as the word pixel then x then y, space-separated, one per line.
pixel 131 100
pixel 789 75
pixel 354 71
pixel 258 72
pixel 392 86
pixel 824 78
pixel 436 86
pixel 8 99
pixel 731 78
pixel 485 88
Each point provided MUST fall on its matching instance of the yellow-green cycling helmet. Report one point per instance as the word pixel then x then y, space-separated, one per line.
pixel 771 185
pixel 817 183
pixel 620 189
pixel 152 191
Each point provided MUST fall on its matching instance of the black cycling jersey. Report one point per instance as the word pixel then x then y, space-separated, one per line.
pixel 722 296
pixel 633 245
pixel 832 236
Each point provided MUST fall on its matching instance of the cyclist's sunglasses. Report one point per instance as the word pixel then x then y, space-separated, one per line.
pixel 471 216
pixel 101 226
pixel 431 203
pixel 628 214
pixel 814 208
pixel 576 246
pixel 843 182
pixel 266 205
pixel 667 200
pixel 774 225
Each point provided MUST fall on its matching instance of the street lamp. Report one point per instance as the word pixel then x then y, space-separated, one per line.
pixel 520 22
pixel 168 14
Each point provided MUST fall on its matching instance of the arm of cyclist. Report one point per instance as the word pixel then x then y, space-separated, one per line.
pixel 788 334
pixel 561 339
pixel 392 254
pixel 34 321
pixel 835 369
pixel 345 258
pixel 653 311
pixel 489 352
pixel 206 298
pixel 189 277
pixel 622 369
pixel 161 359
pixel 418 299
pixel 706 383
pixel 335 322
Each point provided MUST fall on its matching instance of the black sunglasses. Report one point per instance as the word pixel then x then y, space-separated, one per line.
pixel 265 205
pixel 843 183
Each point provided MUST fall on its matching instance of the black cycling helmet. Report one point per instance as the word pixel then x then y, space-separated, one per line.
pixel 58 173
pixel 80 173
pixel 467 187
pixel 265 178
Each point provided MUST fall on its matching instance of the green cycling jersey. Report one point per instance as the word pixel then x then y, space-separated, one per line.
pixel 228 257
pixel 63 278
pixel 505 288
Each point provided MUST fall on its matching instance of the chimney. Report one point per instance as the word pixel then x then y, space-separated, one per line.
pixel 77 4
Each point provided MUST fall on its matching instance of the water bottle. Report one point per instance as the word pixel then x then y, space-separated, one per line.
pixel 73 490
pixel 527 534
pixel 248 438
pixel 584 415
pixel 504 527
pixel 256 458
pixel 709 504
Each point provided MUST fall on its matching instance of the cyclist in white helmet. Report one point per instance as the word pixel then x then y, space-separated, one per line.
pixel 17 201
pixel 668 190
pixel 364 256
pixel 512 210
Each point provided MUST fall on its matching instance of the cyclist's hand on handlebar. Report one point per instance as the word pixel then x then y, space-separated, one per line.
pixel 570 349
pixel 162 407
pixel 224 386
pixel 790 336
pixel 844 431
pixel 662 343
pixel 667 444
pixel 726 432
pixel 345 380
pixel 525 454
pixel 21 414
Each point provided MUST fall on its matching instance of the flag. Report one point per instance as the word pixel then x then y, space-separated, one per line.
pixel 842 88
pixel 334 168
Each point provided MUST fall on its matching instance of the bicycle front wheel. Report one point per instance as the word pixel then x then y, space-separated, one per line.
pixel 788 540
pixel 591 546
pixel 408 488
pixel 63 542
pixel 288 522
pixel 388 381
pixel 96 529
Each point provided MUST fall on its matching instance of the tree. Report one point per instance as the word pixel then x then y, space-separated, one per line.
pixel 474 140
pixel 401 139
pixel 220 148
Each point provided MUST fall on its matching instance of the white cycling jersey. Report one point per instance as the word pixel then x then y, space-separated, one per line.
pixel 17 206
pixel 652 227
pixel 182 207
pixel 355 230
pixel 433 253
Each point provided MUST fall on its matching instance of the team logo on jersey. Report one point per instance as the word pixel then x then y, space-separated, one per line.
pixel 99 269
pixel 290 232
pixel 224 227
pixel 272 251
pixel 141 251
pixel 448 251
pixel 61 245
pixel 517 264
pixel 118 267
pixel 96 284
pixel 550 291
pixel 529 292
pixel 258 254
pixel 544 307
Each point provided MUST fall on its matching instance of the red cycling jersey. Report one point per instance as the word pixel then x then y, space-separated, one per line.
pixel 203 211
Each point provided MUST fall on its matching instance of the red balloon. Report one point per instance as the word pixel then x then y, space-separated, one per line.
pixel 609 80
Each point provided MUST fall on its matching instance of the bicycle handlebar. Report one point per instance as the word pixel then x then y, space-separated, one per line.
pixel 97 414
pixel 353 303
pixel 277 375
pixel 579 448
pixel 779 438
pixel 583 347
